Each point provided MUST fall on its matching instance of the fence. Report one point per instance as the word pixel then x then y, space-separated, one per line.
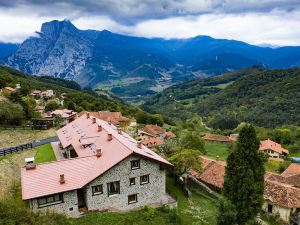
pixel 11 150
pixel 24 127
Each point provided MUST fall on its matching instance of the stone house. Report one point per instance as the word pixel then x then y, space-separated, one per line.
pixel 102 168
pixel 281 193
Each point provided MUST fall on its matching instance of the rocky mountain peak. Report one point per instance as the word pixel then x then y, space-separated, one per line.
pixel 53 28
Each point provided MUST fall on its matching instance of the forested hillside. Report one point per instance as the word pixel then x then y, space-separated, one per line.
pixel 81 99
pixel 266 98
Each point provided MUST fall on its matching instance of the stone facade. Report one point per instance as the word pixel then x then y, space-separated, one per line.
pixel 283 212
pixel 69 206
pixel 147 194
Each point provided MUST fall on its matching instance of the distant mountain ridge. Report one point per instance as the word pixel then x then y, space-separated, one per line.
pixel 90 56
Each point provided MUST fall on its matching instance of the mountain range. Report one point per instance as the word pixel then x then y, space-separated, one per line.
pixel 92 57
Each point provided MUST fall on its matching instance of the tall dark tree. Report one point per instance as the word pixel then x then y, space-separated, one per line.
pixel 244 176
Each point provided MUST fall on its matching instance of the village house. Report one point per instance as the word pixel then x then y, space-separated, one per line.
pixel 66 114
pixel 116 118
pixel 100 168
pixel 220 138
pixel 281 193
pixel 273 149
pixel 151 130
pixel 42 94
pixel 153 142
pixel 8 90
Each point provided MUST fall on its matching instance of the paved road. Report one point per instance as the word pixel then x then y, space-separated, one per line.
pixel 44 141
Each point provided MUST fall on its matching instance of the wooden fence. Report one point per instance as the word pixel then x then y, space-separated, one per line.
pixel 11 150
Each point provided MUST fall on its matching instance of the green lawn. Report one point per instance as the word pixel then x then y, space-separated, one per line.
pixel 216 149
pixel 44 153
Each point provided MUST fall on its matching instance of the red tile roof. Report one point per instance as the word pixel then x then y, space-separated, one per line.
pixel 213 172
pixel 44 180
pixel 153 142
pixel 293 169
pixel 271 145
pixel 153 129
pixel 283 191
pixel 170 134
pixel 216 137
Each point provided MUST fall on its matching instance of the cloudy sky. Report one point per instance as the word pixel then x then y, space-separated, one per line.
pixel 275 22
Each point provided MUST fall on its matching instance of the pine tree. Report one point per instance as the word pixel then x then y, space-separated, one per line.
pixel 244 176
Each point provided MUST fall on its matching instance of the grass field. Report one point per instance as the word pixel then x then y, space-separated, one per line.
pixel 17 137
pixel 276 166
pixel 44 153
pixel 216 149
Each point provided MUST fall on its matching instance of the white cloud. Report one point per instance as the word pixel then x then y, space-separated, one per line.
pixel 276 27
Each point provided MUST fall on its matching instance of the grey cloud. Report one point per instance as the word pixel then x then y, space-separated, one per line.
pixel 133 11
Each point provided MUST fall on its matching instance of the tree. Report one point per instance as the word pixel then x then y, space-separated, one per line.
pixel 72 106
pixel 11 112
pixel 283 136
pixel 51 105
pixel 184 160
pixel 190 140
pixel 244 176
pixel 227 212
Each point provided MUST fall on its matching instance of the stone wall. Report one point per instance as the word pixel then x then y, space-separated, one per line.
pixel 150 193
pixel 69 206
pixel 282 212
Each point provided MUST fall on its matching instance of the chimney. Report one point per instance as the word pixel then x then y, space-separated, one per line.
pixel 29 163
pixel 139 144
pixel 109 136
pixel 94 119
pixel 62 179
pixel 119 130
pixel 99 128
pixel 87 115
pixel 109 122
pixel 98 152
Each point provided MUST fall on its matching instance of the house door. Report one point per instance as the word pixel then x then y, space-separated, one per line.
pixel 81 201
pixel 270 208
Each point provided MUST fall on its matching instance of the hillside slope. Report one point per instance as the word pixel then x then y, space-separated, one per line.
pixel 266 98
pixel 83 99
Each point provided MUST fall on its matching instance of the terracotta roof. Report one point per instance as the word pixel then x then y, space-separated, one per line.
pixel 9 89
pixel 293 169
pixel 282 191
pixel 170 134
pixel 152 142
pixel 114 117
pixel 271 145
pixel 216 137
pixel 36 92
pixel 44 180
pixel 64 113
pixel 233 137
pixel 213 172
pixel 153 129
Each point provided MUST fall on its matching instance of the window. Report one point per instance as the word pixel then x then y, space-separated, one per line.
pixel 132 199
pixel 132 181
pixel 135 164
pixel 50 200
pixel 145 179
pixel 97 190
pixel 113 188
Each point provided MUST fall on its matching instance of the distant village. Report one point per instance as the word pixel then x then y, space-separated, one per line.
pixel 106 161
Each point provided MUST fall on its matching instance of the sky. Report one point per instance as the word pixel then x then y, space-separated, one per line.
pixel 263 22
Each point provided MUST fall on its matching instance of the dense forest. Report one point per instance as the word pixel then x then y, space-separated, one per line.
pixel 267 98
